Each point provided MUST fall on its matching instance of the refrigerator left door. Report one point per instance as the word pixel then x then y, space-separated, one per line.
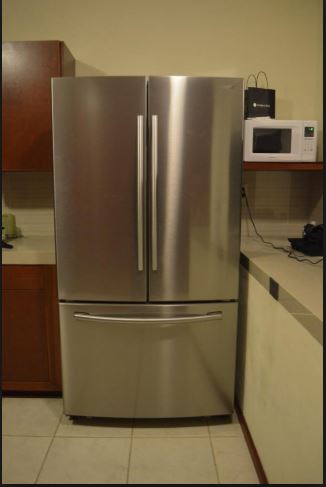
pixel 99 167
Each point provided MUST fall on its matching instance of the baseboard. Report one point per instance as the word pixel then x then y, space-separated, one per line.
pixel 251 446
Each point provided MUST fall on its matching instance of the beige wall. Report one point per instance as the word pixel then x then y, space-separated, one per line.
pixel 282 202
pixel 29 197
pixel 191 37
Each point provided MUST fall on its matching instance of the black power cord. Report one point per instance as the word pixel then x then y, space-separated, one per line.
pixel 289 253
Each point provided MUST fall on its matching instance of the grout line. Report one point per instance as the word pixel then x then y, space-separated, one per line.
pixel 47 452
pixel 212 435
pixel 300 314
pixel 214 458
pixel 129 459
pixel 118 437
pixel 26 436
pixel 226 435
pixel 157 437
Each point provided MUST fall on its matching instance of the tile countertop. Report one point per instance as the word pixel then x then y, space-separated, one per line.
pixel 30 250
pixel 302 280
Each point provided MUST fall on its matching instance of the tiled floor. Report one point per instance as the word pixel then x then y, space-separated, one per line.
pixel 41 445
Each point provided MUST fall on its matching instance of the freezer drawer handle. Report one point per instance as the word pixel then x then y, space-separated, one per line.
pixel 140 183
pixel 154 192
pixel 141 320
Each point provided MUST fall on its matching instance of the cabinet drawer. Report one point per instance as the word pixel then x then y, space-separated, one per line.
pixel 22 277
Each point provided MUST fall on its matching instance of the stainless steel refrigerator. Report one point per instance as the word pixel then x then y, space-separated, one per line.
pixel 147 175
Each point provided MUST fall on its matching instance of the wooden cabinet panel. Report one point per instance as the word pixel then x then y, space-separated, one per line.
pixel 27 124
pixel 25 354
pixel 31 350
pixel 283 166
pixel 22 277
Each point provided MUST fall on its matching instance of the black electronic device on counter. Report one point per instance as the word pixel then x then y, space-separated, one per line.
pixel 311 242
pixel 5 245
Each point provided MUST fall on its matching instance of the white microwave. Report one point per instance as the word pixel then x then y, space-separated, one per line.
pixel 268 140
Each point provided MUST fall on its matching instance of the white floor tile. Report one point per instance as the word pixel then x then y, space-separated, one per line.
pixel 234 464
pixel 170 427
pixel 91 451
pixel 30 416
pixel 86 461
pixel 85 427
pixel 172 461
pixel 22 458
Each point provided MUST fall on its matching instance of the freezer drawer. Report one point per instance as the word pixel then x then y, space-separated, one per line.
pixel 148 361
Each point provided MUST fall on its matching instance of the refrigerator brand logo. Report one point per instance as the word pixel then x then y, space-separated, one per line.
pixel 261 105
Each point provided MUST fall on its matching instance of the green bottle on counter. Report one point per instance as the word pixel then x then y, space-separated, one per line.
pixel 9 229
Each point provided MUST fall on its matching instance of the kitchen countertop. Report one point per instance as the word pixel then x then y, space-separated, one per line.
pixel 30 250
pixel 301 280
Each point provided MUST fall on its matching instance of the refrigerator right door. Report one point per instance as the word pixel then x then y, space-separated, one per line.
pixel 195 156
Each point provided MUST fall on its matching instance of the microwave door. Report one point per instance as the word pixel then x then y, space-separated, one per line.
pixel 272 140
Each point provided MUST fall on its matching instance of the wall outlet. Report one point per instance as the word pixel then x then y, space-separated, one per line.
pixel 244 190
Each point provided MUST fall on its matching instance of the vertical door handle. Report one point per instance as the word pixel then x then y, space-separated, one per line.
pixel 154 192
pixel 140 191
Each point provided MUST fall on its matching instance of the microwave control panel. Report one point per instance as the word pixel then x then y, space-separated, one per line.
pixel 309 132
pixel 309 142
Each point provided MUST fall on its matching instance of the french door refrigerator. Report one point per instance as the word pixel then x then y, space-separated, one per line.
pixel 147 174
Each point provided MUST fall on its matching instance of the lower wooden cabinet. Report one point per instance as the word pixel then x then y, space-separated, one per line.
pixel 30 329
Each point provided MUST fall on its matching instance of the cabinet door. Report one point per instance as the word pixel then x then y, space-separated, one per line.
pixel 27 128
pixel 31 358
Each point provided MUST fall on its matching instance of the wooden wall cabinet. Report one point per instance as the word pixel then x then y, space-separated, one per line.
pixel 27 69
pixel 30 329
